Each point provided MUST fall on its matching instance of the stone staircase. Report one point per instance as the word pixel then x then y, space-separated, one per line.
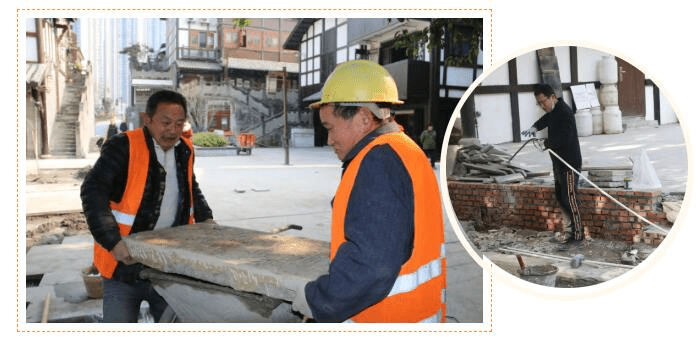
pixel 63 140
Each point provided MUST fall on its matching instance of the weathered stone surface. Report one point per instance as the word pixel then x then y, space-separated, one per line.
pixel 610 173
pixel 43 259
pixel 204 304
pixel 609 165
pixel 672 208
pixel 60 309
pixel 273 265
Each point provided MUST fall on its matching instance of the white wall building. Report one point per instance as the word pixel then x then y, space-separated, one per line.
pixel 505 105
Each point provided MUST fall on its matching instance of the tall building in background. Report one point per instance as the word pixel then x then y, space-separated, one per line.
pixel 102 40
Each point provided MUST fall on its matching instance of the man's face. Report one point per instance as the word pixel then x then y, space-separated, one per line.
pixel 166 124
pixel 547 103
pixel 343 134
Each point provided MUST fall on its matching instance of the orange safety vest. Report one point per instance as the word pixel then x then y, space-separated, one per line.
pixel 418 294
pixel 125 211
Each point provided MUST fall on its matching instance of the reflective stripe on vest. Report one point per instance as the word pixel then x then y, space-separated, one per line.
pixel 123 218
pixel 418 293
pixel 125 211
pixel 409 282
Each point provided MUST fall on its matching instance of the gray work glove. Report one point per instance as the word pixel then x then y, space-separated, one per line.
pixel 300 302
pixel 530 132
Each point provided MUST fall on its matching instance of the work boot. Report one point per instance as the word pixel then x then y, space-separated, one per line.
pixel 573 244
pixel 565 219
pixel 560 237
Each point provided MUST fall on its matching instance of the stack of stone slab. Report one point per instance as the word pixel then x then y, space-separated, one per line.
pixel 486 164
pixel 61 288
pixel 610 175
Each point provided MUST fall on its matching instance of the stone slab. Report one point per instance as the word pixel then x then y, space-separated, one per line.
pixel 221 306
pixel 274 265
pixel 60 277
pixel 610 172
pixel 42 259
pixel 610 165
pixel 610 178
pixel 72 292
pixel 610 184
pixel 60 310
pixel 672 208
pixel 83 239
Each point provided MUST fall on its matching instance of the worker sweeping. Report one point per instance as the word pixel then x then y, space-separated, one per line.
pixel 387 251
pixel 563 140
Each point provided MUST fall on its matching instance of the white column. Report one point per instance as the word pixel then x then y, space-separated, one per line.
pixel 609 96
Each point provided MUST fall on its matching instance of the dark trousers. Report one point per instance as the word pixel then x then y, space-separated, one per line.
pixel 565 185
pixel 122 301
pixel 431 154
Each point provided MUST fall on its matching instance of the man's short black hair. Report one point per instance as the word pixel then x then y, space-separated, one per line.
pixel 544 89
pixel 164 96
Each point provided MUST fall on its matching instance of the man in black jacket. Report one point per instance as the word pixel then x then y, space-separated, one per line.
pixel 563 140
pixel 143 180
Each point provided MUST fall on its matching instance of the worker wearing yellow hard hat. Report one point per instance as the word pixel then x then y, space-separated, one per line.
pixel 387 245
pixel 359 81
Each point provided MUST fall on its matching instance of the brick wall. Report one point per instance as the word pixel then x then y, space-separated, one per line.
pixel 535 207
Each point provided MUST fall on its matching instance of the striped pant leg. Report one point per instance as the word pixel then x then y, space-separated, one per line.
pixel 570 200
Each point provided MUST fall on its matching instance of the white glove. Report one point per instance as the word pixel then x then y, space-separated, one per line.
pixel 529 132
pixel 300 302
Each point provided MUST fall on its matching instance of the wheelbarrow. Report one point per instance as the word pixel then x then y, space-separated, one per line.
pixel 245 143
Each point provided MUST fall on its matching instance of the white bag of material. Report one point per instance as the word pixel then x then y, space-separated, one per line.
pixel 644 175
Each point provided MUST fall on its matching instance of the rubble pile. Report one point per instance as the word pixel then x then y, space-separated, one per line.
pixel 503 238
pixel 485 164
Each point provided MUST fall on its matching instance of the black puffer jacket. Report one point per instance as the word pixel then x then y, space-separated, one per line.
pixel 562 135
pixel 106 182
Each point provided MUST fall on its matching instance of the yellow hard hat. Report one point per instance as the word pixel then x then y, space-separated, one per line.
pixel 359 81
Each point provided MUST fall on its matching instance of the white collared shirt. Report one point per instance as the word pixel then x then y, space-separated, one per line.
pixel 168 207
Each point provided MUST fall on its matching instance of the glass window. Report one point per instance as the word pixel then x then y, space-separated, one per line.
pixel 210 42
pixel 310 32
pixel 340 21
pixel 352 51
pixel 303 77
pixel 271 40
pixel 183 38
pixel 317 64
pixel 341 36
pixel 31 25
pixel 303 50
pixel 341 55
pixel 316 80
pixel 32 49
pixel 310 49
pixel 318 26
pixel 329 23
pixel 317 46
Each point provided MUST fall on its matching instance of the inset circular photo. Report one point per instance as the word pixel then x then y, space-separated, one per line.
pixel 566 166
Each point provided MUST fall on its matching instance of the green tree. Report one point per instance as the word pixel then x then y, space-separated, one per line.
pixel 445 33
pixel 241 22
